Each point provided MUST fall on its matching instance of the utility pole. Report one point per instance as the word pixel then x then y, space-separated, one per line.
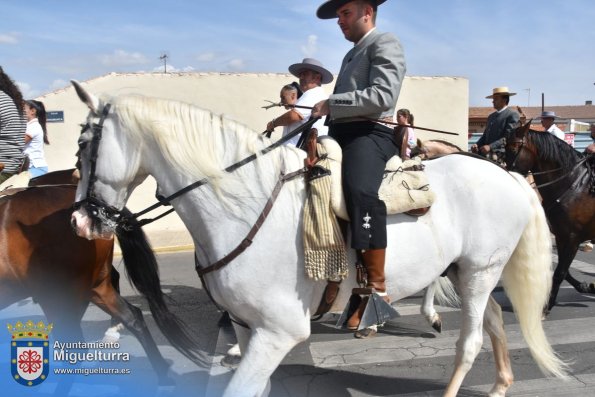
pixel 164 57
pixel 528 96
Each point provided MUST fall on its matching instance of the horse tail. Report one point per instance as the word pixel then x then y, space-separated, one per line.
pixel 143 272
pixel 445 293
pixel 527 280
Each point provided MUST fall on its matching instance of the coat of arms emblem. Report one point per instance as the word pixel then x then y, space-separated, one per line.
pixel 29 352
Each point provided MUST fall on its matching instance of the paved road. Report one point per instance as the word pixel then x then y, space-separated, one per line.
pixel 407 358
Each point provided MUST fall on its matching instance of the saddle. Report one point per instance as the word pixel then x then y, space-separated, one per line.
pixel 405 187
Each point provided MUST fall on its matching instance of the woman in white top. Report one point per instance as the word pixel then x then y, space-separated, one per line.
pixel 404 117
pixel 35 137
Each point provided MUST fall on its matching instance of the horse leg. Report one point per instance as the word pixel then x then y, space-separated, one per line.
pixel 115 280
pixel 107 299
pixel 494 326
pixel 112 334
pixel 262 352
pixel 66 313
pixel 11 293
pixel 566 252
pixel 580 286
pixel 427 308
pixel 474 299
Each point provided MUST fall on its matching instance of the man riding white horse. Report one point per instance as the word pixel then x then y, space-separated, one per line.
pixel 366 89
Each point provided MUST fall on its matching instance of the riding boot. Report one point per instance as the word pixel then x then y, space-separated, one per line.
pixel 374 261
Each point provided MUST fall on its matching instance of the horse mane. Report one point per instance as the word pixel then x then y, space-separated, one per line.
pixel 190 138
pixel 554 149
pixel 203 144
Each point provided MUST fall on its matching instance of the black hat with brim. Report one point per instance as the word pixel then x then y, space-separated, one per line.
pixel 328 10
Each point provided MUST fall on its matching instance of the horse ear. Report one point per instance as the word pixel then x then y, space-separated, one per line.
pixel 522 130
pixel 89 99
pixel 419 143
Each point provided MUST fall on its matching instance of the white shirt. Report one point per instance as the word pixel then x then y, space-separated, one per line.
pixel 308 98
pixel 34 149
pixel 554 130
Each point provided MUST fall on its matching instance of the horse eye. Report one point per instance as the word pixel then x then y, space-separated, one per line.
pixel 82 145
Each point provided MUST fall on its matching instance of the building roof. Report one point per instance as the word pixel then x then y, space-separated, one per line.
pixel 563 112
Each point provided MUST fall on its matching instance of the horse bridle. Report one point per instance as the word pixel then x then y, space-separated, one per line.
pixel 97 208
pixel 564 176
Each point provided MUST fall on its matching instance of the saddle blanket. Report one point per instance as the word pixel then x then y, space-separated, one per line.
pixel 403 188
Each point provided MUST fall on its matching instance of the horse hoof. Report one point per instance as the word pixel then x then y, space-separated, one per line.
pixel 234 351
pixel 437 325
pixel 231 361
pixel 365 333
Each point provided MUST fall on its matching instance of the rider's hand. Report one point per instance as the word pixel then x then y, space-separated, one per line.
pixel 485 149
pixel 321 109
pixel 474 148
pixel 271 125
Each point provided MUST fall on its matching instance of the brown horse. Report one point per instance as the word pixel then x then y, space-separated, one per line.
pixel 71 177
pixel 565 180
pixel 44 259
pixel 60 177
pixel 434 148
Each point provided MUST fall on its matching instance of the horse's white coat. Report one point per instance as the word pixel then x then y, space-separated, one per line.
pixel 266 286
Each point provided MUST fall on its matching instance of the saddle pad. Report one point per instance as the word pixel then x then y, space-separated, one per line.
pixel 401 190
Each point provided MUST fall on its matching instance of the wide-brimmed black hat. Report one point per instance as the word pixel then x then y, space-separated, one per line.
pixel 328 10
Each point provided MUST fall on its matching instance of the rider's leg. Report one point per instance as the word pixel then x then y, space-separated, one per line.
pixel 374 262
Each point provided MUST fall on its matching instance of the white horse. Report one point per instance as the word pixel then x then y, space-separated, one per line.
pixel 266 287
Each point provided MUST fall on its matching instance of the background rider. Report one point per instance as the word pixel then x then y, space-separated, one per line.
pixel 500 124
pixel 312 75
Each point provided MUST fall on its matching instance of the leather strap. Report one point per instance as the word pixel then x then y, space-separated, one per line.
pixel 247 241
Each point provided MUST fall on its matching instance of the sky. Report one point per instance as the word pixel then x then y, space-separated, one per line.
pixel 531 46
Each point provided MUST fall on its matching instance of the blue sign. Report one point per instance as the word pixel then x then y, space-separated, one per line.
pixel 55 116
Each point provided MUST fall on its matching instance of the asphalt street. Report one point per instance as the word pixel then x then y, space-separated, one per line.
pixel 406 358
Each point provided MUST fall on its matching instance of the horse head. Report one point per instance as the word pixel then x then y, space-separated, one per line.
pixel 109 165
pixel 519 156
pixel 419 150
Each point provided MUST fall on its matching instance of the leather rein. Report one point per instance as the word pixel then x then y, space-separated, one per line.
pixel 114 218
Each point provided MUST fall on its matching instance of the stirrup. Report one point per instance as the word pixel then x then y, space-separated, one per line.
pixel 377 311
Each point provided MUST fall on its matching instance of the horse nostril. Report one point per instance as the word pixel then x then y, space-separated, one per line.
pixel 73 222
